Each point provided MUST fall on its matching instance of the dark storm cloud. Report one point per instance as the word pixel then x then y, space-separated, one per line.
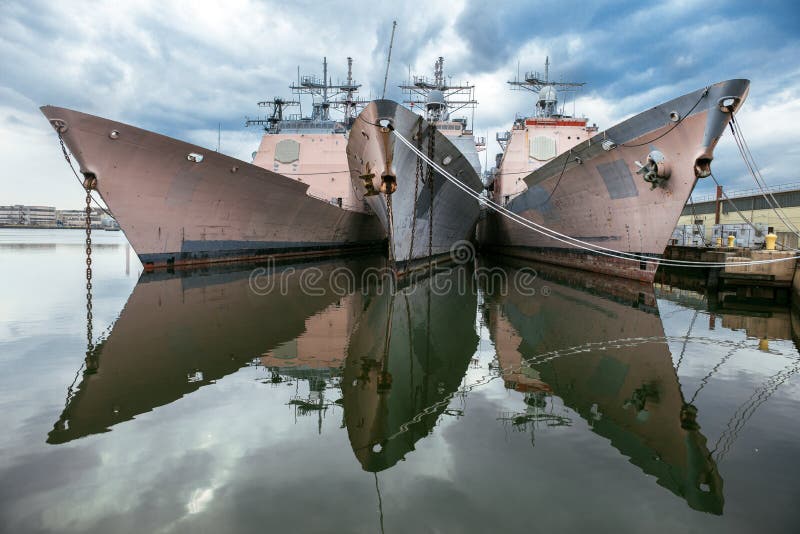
pixel 182 69
pixel 634 56
pixel 677 40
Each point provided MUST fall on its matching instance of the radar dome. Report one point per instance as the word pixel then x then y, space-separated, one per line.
pixel 548 94
pixel 435 98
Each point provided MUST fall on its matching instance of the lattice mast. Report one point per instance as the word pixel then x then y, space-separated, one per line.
pixel 349 104
pixel 439 97
pixel 547 103
pixel 325 95
pixel 275 107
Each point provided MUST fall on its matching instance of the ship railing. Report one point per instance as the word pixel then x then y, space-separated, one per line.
pixel 300 125
pixel 449 126
pixel 739 193
pixel 339 203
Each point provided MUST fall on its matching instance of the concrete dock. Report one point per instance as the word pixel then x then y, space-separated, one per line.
pixel 739 279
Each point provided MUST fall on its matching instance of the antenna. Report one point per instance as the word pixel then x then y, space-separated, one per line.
pixel 272 123
pixel 219 133
pixel 324 93
pixel 486 155
pixel 388 59
pixel 547 69
pixel 325 81
pixel 438 96
pixel 547 90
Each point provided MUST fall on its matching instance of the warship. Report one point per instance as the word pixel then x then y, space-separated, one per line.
pixel 609 194
pixel 182 204
pixel 423 214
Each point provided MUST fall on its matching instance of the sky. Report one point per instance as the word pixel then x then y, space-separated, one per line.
pixel 187 68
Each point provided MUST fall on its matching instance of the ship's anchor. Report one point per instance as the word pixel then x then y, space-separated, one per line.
pixel 367 179
pixel 656 170
pixel 388 180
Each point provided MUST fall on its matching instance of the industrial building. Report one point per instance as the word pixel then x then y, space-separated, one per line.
pixel 711 210
pixel 17 215
pixel 49 217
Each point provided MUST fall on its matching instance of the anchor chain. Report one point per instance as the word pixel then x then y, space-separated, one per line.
pixel 89 184
pixel 417 175
pixel 391 228
pixel 431 152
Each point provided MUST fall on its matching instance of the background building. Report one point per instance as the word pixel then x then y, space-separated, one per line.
pixel 50 217
pixel 77 218
pixel 752 205
pixel 11 215
pixel 19 215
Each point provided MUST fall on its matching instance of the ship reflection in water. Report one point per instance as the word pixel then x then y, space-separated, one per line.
pixel 610 362
pixel 395 365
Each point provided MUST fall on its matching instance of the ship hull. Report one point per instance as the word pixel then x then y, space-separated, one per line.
pixel 597 196
pixel 373 150
pixel 178 212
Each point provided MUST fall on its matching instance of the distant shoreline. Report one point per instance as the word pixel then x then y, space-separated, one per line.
pixel 50 227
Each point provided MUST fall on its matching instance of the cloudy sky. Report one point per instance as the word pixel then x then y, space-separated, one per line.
pixel 182 68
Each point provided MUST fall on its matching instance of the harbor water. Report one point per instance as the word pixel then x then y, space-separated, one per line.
pixel 322 397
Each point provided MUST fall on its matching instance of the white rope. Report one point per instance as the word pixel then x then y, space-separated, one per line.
pixel 750 163
pixel 745 219
pixel 568 240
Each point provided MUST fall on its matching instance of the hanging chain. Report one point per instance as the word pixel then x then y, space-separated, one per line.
pixel 89 338
pixel 89 183
pixel 431 153
pixel 417 175
pixel 391 228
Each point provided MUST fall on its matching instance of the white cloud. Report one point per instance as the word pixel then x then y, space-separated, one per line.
pixel 178 69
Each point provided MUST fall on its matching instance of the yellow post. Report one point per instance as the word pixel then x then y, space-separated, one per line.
pixel 763 344
pixel 731 241
pixel 770 241
pixel 719 241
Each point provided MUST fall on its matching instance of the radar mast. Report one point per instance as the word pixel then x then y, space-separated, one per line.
pixel 439 97
pixel 547 103
pixel 271 124
pixel 324 96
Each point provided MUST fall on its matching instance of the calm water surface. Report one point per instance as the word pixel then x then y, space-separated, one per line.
pixel 208 406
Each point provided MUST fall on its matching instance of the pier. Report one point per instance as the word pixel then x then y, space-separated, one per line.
pixel 740 278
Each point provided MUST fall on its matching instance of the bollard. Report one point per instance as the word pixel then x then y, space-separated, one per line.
pixel 731 241
pixel 770 239
pixel 719 241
